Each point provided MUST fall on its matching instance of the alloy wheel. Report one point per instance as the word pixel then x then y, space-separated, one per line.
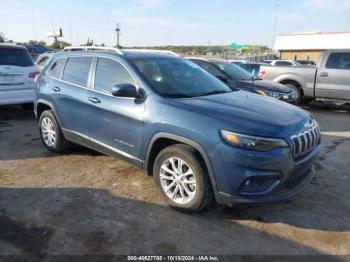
pixel 48 131
pixel 177 180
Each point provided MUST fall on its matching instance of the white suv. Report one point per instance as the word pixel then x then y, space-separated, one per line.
pixel 17 74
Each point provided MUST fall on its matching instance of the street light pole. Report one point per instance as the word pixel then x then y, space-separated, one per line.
pixel 118 34
pixel 274 24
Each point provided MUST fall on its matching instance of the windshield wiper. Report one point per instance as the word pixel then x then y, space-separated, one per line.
pixel 213 93
pixel 177 95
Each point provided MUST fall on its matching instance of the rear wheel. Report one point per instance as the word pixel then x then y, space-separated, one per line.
pixel 51 134
pixel 296 91
pixel 182 179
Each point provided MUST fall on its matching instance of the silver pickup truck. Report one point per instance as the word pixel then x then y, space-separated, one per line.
pixel 330 79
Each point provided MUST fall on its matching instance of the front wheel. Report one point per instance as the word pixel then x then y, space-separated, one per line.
pixel 182 179
pixel 51 134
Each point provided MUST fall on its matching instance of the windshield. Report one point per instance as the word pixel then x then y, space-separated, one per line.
pixel 179 78
pixel 233 71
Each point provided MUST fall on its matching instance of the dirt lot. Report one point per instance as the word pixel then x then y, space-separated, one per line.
pixel 86 203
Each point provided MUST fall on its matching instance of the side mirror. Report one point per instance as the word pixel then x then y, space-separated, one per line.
pixel 125 90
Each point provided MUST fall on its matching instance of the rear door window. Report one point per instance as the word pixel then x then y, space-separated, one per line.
pixel 56 68
pixel 283 63
pixel 339 61
pixel 77 70
pixel 15 57
pixel 109 74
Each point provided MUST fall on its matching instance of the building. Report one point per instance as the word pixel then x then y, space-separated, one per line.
pixel 308 46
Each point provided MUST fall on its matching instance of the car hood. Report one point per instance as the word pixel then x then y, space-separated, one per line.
pixel 269 85
pixel 249 113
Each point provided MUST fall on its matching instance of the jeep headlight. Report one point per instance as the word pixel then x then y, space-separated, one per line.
pixel 276 95
pixel 252 142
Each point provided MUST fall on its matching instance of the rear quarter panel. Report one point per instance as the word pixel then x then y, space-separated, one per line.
pixel 303 75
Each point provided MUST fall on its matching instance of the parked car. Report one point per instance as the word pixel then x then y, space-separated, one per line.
pixel 253 68
pixel 43 59
pixel 306 62
pixel 17 73
pixel 198 138
pixel 36 50
pixel 330 79
pixel 238 62
pixel 237 78
pixel 283 63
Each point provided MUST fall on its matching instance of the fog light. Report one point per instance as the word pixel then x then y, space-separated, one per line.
pixel 257 184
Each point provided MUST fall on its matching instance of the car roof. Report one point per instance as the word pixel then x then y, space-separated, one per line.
pixel 126 53
pixel 130 54
pixel 209 59
pixel 11 45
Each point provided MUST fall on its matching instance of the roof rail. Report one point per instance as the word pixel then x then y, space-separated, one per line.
pixel 153 51
pixel 87 48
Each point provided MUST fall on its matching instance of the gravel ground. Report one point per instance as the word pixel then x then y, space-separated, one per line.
pixel 83 202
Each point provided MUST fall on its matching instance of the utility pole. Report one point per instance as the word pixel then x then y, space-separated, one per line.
pixel 274 25
pixel 118 34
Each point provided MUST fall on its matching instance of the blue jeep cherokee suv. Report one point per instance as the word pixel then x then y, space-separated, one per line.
pixel 196 136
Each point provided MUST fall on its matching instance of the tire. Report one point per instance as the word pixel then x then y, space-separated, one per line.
pixel 297 92
pixel 51 134
pixel 189 193
pixel 27 106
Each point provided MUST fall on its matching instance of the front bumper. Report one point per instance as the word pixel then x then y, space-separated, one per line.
pixel 233 167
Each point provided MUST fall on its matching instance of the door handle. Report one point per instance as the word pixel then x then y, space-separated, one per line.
pixel 94 100
pixel 323 74
pixel 56 89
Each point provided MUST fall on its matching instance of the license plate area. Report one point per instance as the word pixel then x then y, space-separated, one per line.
pixel 7 78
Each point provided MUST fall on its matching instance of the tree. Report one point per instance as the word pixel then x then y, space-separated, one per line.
pixel 59 44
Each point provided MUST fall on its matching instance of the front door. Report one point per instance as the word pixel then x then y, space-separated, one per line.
pixel 116 125
pixel 333 77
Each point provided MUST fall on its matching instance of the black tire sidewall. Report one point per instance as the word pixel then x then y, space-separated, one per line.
pixel 202 183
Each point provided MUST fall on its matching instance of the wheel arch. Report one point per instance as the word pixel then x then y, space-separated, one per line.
pixel 294 79
pixel 162 140
pixel 42 105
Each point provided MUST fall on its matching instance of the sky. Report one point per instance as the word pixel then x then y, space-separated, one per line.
pixel 171 22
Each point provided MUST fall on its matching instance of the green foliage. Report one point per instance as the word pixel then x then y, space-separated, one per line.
pixel 59 45
pixel 89 42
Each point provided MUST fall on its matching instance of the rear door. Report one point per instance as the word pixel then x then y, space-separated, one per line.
pixel 333 77
pixel 116 123
pixel 69 94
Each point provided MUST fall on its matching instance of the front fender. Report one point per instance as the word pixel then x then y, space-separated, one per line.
pixel 188 141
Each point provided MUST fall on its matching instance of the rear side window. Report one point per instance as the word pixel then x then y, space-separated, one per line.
pixel 77 70
pixel 56 68
pixel 283 63
pixel 15 57
pixel 109 74
pixel 339 61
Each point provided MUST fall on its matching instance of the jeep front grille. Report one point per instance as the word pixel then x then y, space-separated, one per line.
pixel 305 142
